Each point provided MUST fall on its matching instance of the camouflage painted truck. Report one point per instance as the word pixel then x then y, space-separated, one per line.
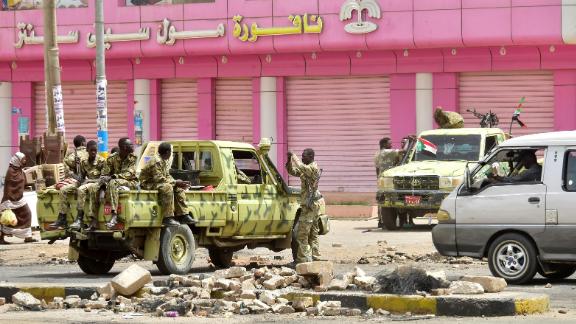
pixel 417 188
pixel 228 215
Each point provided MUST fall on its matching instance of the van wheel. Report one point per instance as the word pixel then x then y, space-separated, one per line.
pixel 388 218
pixel 559 271
pixel 177 249
pixel 513 257
pixel 93 266
pixel 221 258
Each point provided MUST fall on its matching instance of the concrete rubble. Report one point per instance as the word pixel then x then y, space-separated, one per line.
pixel 256 291
pixel 490 284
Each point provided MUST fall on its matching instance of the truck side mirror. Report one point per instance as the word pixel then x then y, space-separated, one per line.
pixel 467 180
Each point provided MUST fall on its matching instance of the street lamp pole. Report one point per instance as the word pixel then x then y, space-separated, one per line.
pixel 54 102
pixel 101 82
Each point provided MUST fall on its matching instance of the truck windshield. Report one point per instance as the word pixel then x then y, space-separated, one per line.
pixel 450 148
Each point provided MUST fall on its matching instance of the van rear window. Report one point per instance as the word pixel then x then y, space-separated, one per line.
pixel 570 171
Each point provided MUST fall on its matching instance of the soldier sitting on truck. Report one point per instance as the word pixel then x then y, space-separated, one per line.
pixel 171 193
pixel 73 178
pixel 119 171
pixel 91 168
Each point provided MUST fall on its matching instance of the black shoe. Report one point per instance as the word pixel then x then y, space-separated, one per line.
pixel 60 223
pixel 78 222
pixel 170 222
pixel 93 224
pixel 185 219
pixel 114 221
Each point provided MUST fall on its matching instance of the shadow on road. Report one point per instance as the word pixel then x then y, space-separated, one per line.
pixel 415 228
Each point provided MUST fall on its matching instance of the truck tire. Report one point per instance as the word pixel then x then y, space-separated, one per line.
pixel 177 250
pixel 559 271
pixel 513 257
pixel 93 266
pixel 221 258
pixel 388 217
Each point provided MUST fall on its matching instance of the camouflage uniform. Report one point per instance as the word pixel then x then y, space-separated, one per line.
pixel 307 228
pixel 123 173
pixel 70 171
pixel 155 176
pixel 242 178
pixel 88 191
pixel 386 159
pixel 448 119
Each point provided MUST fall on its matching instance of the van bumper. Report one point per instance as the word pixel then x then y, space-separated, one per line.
pixel 444 239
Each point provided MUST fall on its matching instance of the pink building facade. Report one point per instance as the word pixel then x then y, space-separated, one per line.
pixel 307 73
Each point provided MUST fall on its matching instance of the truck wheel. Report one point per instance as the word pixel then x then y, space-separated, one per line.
pixel 513 257
pixel 388 217
pixel 177 249
pixel 221 258
pixel 93 266
pixel 559 271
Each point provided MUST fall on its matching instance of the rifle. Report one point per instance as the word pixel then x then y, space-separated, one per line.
pixel 516 115
pixel 487 120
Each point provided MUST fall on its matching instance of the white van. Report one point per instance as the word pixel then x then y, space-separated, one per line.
pixel 517 207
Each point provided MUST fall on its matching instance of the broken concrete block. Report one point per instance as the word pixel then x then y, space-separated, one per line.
pixel 351 312
pixel 312 311
pixel 234 272
pixel 222 283
pixel 131 280
pixel 208 283
pixel 106 291
pixel 248 294
pixel 27 301
pixel 337 284
pixel 365 282
pixel 96 304
pixel 466 288
pixel 285 271
pixel 2 301
pixel 300 304
pixel 248 285
pixel 333 304
pixel 274 283
pixel 268 297
pixel 331 311
pixel 282 309
pixel 440 292
pixel 72 301
pixel 490 284
pixel 314 268
pixel 359 272
pixel 290 279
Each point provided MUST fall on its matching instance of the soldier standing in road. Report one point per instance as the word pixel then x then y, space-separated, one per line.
pixel 119 171
pixel 91 168
pixel 171 193
pixel 73 178
pixel 386 157
pixel 307 227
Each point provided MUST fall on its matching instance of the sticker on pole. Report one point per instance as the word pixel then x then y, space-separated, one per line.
pixel 59 108
pixel 101 105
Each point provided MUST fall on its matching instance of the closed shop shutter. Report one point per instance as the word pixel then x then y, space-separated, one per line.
pixel 501 92
pixel 342 119
pixel 179 109
pixel 80 110
pixel 234 110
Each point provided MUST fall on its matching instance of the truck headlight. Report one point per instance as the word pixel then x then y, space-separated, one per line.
pixel 450 182
pixel 385 183
pixel 442 215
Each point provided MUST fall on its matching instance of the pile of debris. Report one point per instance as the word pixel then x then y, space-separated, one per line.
pixel 261 290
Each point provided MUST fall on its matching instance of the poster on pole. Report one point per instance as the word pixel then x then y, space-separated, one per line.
pixel 59 108
pixel 101 105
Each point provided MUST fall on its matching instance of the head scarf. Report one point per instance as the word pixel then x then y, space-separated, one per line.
pixel 16 160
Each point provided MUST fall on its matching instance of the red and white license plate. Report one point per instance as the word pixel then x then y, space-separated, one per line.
pixel 108 209
pixel 412 200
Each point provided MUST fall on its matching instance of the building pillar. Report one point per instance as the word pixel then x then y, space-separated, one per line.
pixel 281 126
pixel 564 100
pixel 5 127
pixel 424 102
pixel 141 90
pixel 206 109
pixel 269 114
pixel 402 106
pixel 155 97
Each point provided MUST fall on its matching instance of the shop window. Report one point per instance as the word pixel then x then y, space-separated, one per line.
pixel 162 2
pixel 38 4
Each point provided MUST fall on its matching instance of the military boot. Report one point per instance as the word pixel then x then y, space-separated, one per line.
pixel 78 222
pixel 114 221
pixel 60 223
pixel 170 222
pixel 185 219
pixel 93 224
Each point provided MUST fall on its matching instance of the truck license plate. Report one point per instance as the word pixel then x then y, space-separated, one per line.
pixel 108 209
pixel 412 200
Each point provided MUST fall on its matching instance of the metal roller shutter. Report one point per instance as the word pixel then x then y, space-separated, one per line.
pixel 501 93
pixel 234 110
pixel 80 110
pixel 179 109
pixel 342 119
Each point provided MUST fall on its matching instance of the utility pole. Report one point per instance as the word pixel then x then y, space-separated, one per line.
pixel 54 101
pixel 101 83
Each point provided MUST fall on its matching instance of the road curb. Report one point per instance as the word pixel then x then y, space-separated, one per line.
pixel 497 304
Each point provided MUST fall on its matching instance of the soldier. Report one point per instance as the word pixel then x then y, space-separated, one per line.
pixel 91 169
pixel 171 193
pixel 448 119
pixel 119 171
pixel 307 232
pixel 73 178
pixel 386 157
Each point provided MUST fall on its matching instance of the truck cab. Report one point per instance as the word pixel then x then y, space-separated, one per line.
pixel 418 187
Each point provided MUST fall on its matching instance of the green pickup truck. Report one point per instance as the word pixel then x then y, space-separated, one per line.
pixel 228 215
pixel 418 187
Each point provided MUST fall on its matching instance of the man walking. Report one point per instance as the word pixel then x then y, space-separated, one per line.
pixel 91 168
pixel 69 185
pixel 119 171
pixel 307 227
pixel 171 193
